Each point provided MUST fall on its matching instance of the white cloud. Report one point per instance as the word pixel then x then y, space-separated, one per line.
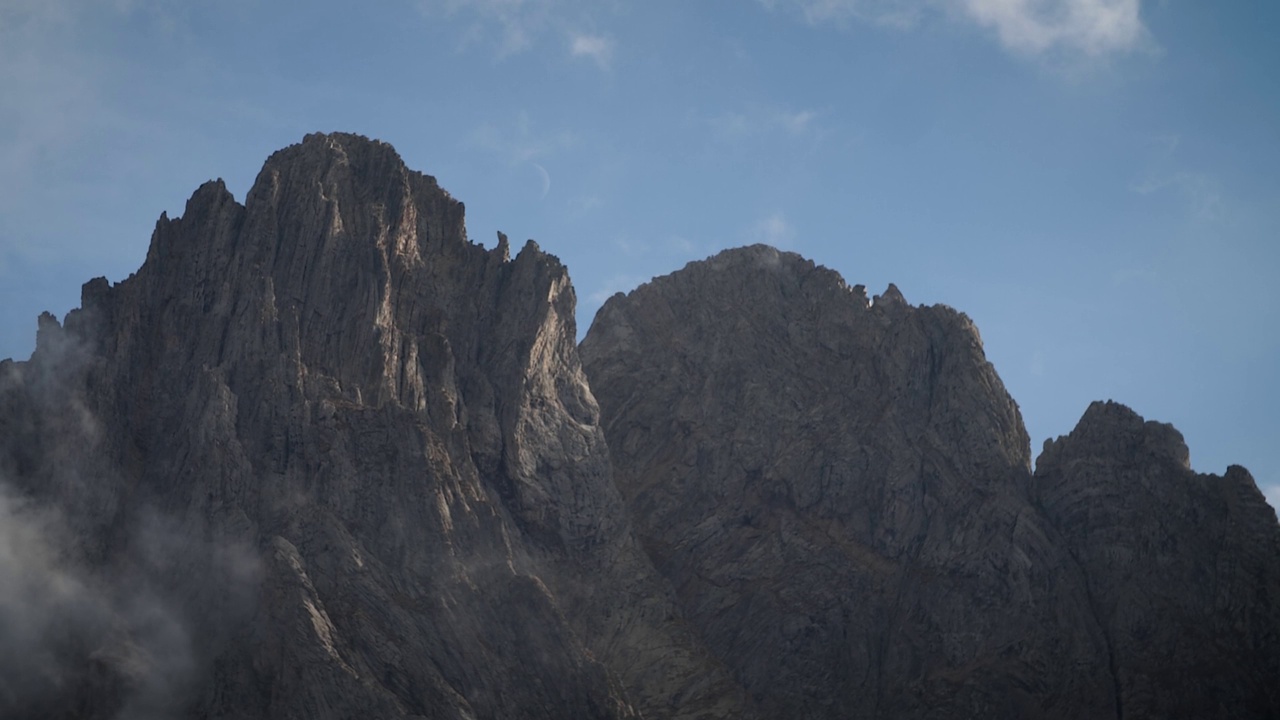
pixel 1093 27
pixel 596 47
pixel 774 230
pixel 1032 27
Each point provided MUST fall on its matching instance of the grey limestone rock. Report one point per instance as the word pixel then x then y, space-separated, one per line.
pixel 840 493
pixel 351 460
pixel 1183 568
pixel 324 457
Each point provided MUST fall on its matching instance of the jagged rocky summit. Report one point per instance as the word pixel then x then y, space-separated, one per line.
pixel 374 463
pixel 323 457
pixel 838 489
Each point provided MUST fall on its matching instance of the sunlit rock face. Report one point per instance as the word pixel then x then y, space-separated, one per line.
pixel 839 491
pixel 323 457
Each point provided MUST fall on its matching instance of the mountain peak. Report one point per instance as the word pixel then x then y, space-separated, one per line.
pixel 1111 429
pixel 348 463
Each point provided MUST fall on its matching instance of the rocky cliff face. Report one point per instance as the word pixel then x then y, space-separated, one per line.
pixel 323 457
pixel 350 461
pixel 838 490
pixel 1183 569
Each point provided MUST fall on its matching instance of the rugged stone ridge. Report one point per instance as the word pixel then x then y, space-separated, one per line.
pixel 322 457
pixel 1183 568
pixel 839 491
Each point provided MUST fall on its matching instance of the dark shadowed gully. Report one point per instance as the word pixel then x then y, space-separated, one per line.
pixel 323 457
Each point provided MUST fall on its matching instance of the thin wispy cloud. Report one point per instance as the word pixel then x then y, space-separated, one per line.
pixel 744 124
pixel 53 90
pixel 521 148
pixel 1092 28
pixel 672 246
pixel 593 47
pixel 618 283
pixel 898 13
pixel 795 123
pixel 1200 192
pixel 773 230
pixel 581 205
pixel 508 26
pixel 512 27
pixel 517 141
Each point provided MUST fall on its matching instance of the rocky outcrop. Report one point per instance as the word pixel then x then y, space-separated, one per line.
pixel 839 492
pixel 837 489
pixel 323 457
pixel 1183 569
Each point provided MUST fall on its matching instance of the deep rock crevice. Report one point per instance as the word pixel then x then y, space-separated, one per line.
pixel 324 457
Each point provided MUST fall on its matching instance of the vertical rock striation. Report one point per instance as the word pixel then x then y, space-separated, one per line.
pixel 323 457
pixel 353 461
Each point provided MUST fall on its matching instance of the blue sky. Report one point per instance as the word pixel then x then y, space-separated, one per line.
pixel 1094 181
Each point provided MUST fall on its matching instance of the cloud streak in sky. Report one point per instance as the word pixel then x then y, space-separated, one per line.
pixel 1201 192
pixel 517 142
pixel 512 27
pixel 515 23
pixel 740 125
pixel 774 230
pixel 1092 28
pixel 900 13
pixel 595 47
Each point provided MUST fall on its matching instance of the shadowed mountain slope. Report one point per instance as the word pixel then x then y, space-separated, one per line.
pixel 839 492
pixel 323 457
pixel 1183 568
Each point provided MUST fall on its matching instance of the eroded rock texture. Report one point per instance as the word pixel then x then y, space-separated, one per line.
pixel 1183 569
pixel 322 457
pixel 838 490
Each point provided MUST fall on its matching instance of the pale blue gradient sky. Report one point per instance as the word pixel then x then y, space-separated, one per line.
pixel 1094 181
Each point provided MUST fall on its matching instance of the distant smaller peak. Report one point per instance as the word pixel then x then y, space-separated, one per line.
pixel 1114 430
pixel 1111 413
pixel 890 298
